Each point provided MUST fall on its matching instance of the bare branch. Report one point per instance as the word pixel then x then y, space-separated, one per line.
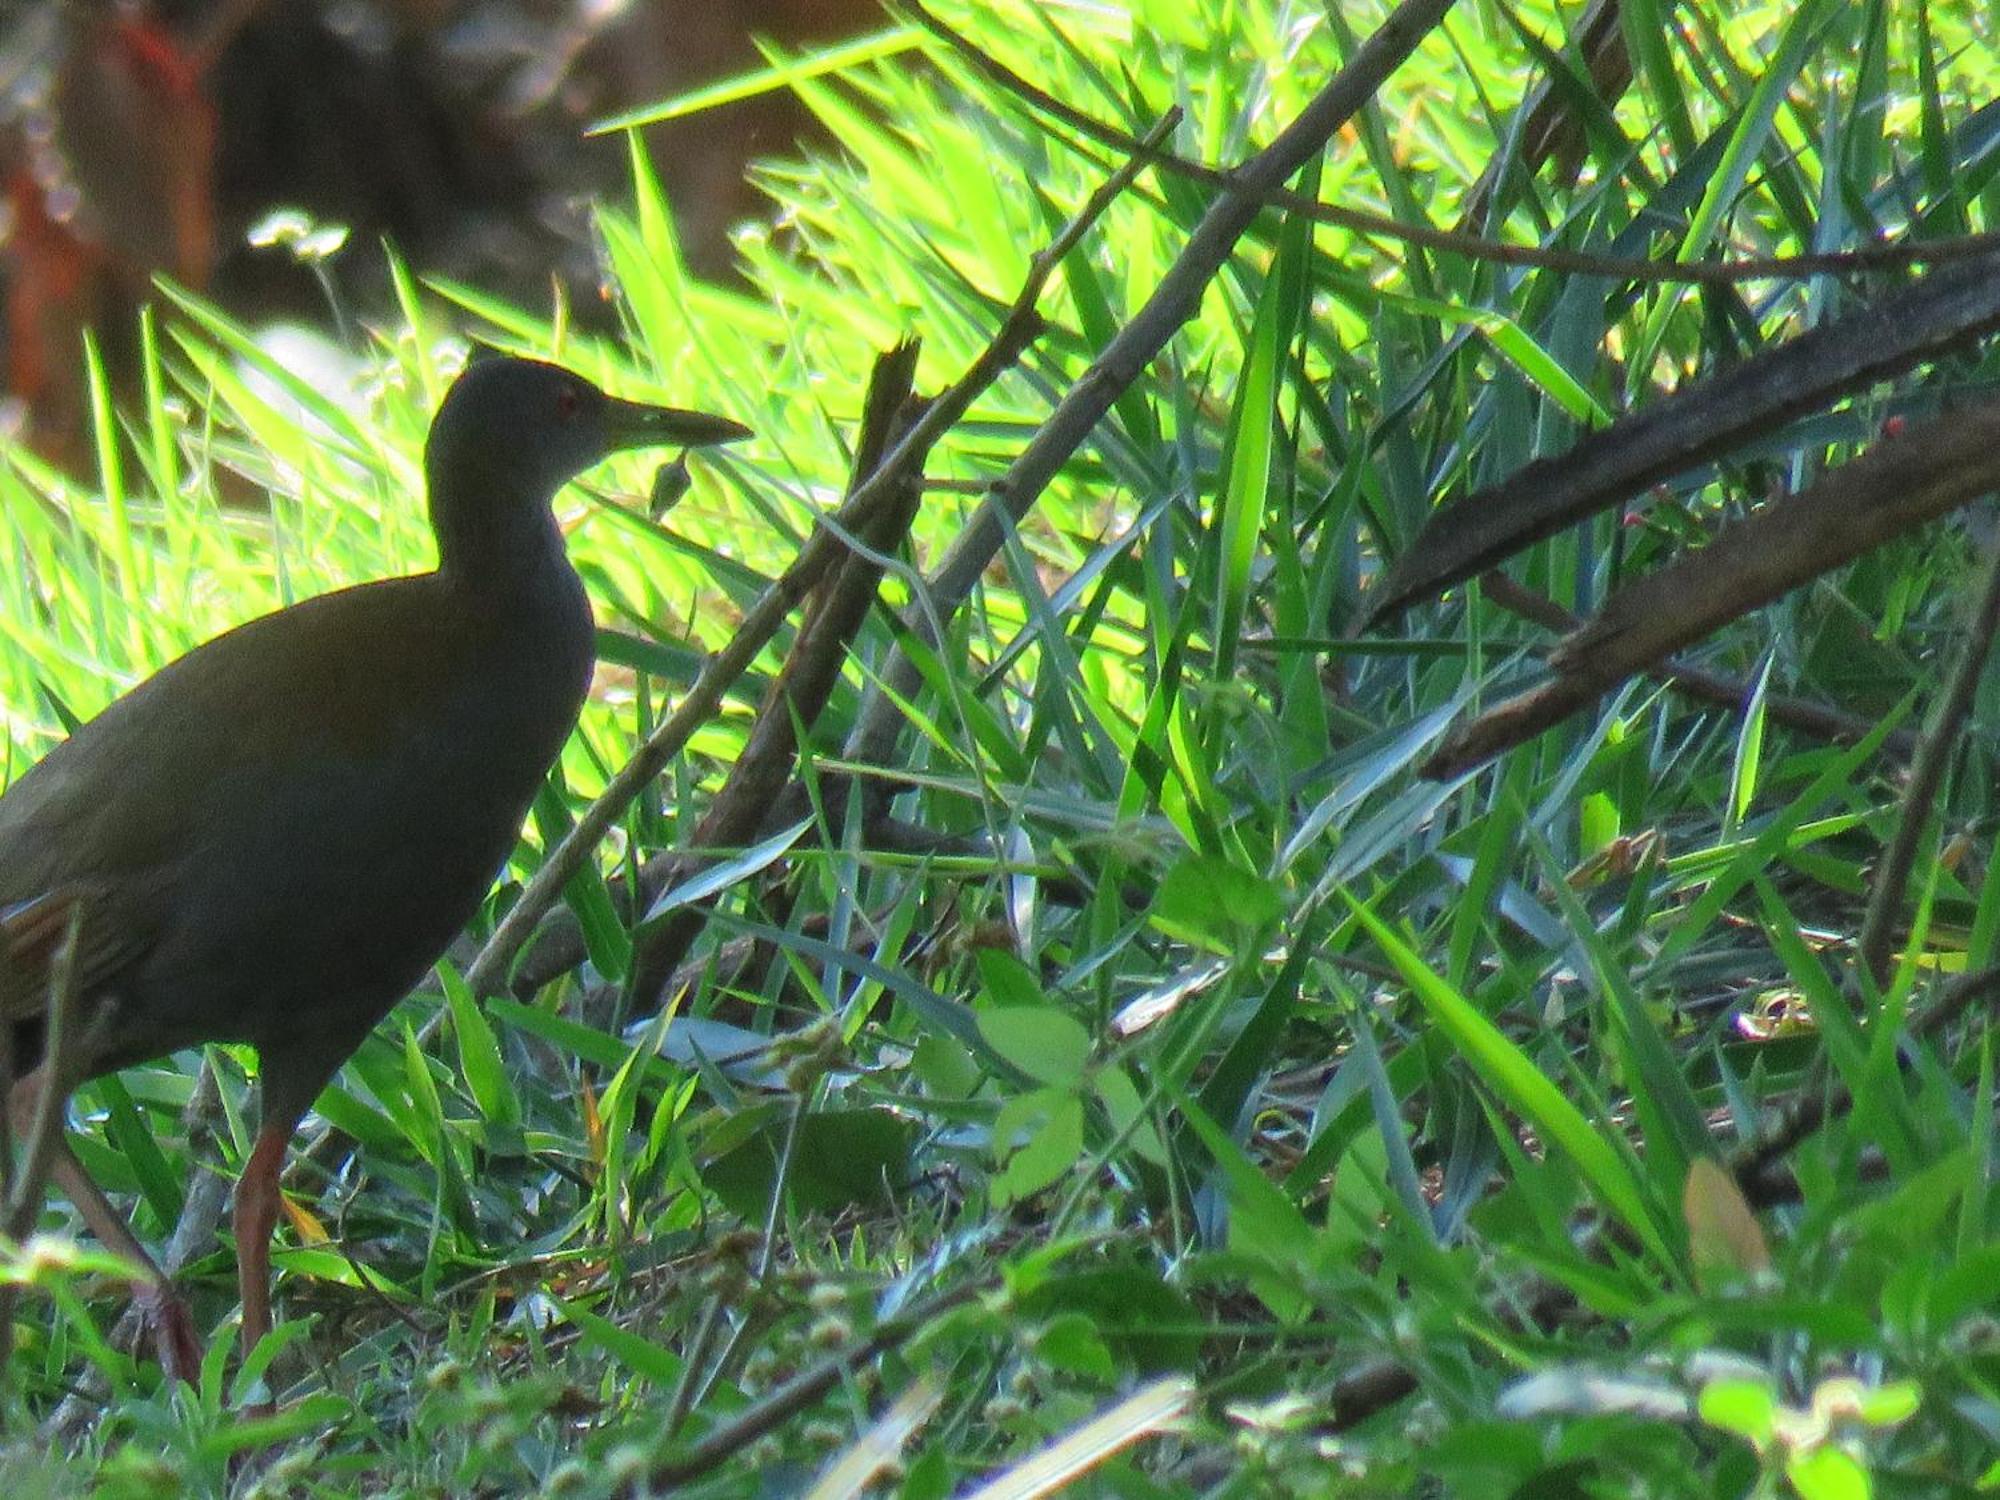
pixel 1901 482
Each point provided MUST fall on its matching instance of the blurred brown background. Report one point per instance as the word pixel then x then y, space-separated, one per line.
pixel 138 138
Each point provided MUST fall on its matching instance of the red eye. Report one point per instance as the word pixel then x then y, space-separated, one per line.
pixel 568 402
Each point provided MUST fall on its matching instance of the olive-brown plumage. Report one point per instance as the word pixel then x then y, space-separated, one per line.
pixel 271 840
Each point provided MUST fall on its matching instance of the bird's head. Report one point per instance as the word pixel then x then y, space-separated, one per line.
pixel 511 432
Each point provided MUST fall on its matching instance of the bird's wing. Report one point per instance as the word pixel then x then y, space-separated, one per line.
pixel 32 934
pixel 107 822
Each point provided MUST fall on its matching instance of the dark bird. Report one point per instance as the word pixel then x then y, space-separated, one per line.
pixel 271 840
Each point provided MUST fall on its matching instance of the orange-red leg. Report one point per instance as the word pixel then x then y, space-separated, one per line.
pixel 256 1218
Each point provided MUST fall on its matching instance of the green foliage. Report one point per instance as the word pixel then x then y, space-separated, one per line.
pixel 1212 1040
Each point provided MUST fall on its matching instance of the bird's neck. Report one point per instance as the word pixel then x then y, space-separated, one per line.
pixel 505 551
pixel 523 610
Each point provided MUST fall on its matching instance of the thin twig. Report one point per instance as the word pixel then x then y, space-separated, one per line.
pixel 1698 682
pixel 1706 421
pixel 1021 326
pixel 694 1364
pixel 1783 267
pixel 1941 741
pixel 796 1395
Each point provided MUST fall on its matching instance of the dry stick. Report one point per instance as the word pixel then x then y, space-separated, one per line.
pixel 1275 195
pixel 1135 346
pixel 1550 126
pixel 822 550
pixel 1894 486
pixel 1702 422
pixel 1698 682
pixel 1940 743
pixel 803 686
